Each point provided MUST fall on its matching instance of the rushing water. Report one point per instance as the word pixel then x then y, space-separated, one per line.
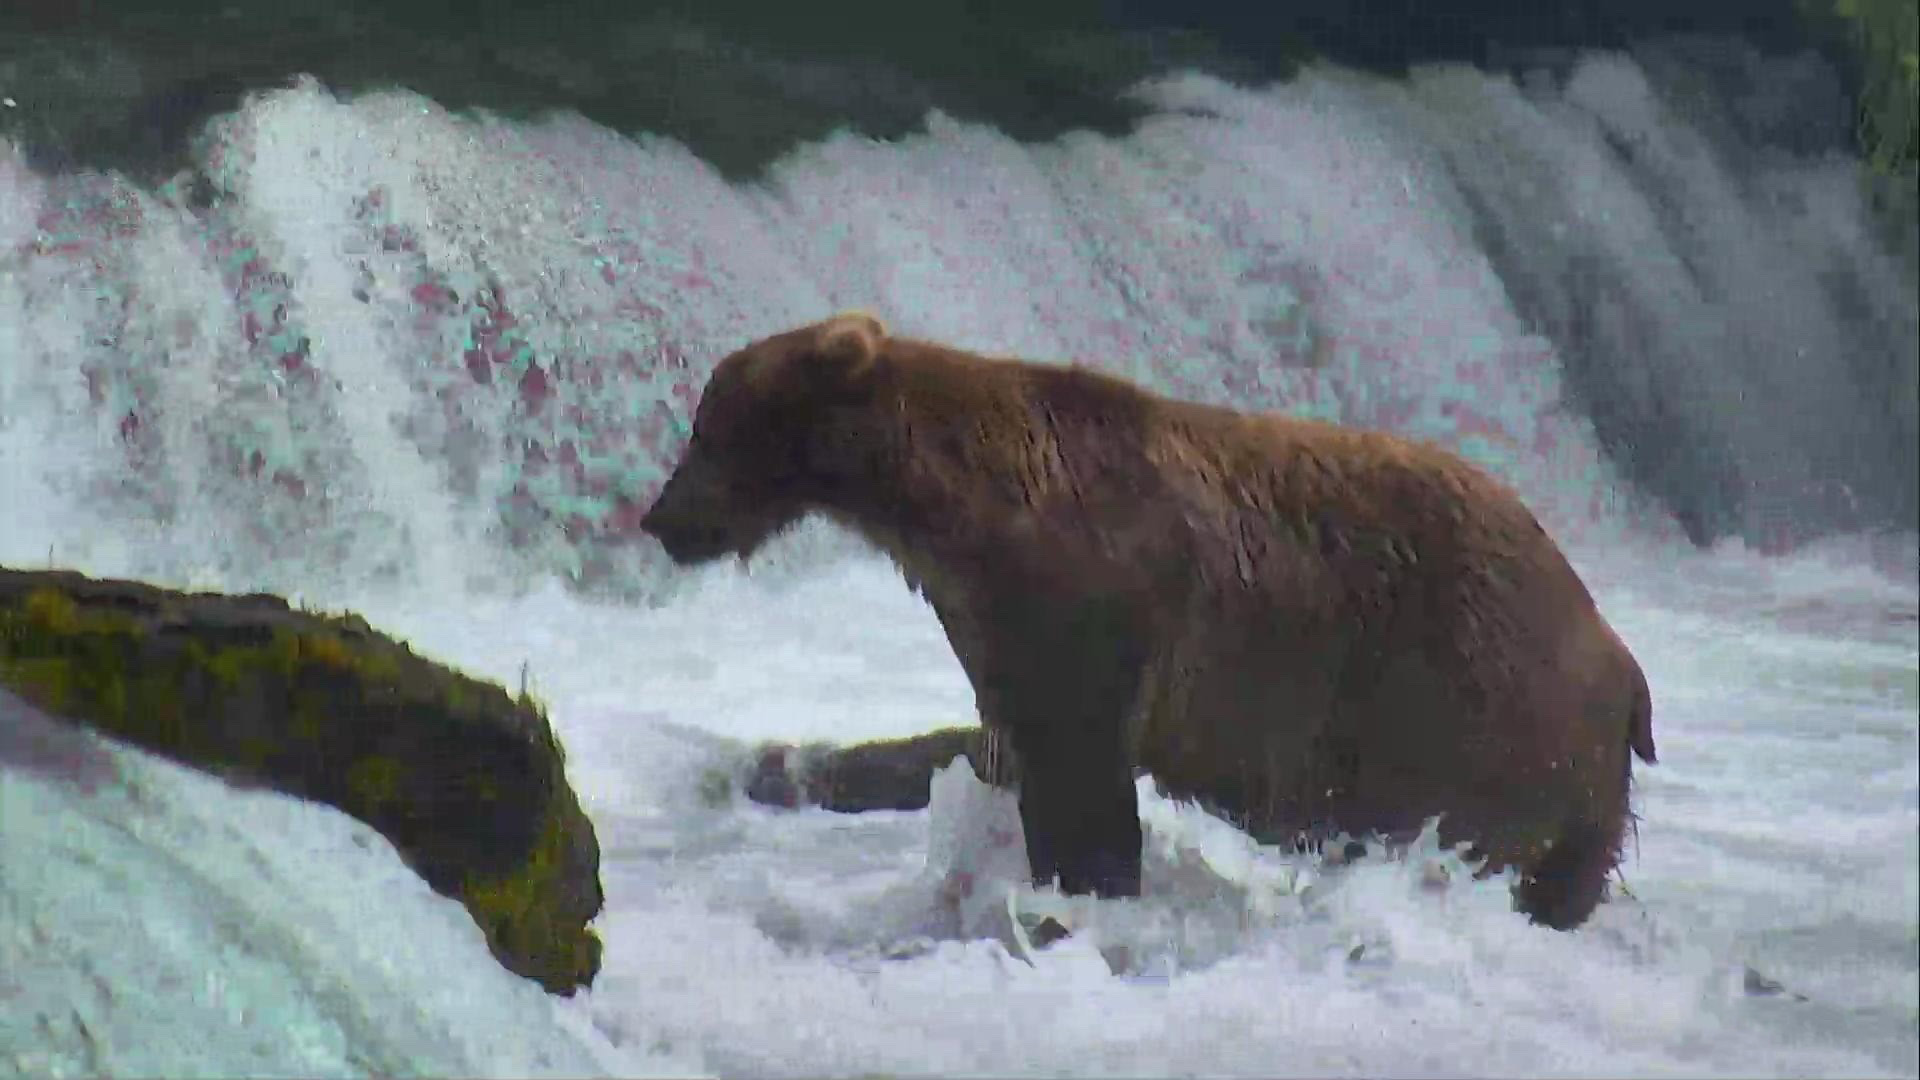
pixel 433 367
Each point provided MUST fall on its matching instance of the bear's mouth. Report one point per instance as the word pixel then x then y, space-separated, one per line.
pixel 691 545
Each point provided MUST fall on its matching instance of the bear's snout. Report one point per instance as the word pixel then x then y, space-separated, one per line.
pixel 686 538
pixel 691 518
pixel 690 545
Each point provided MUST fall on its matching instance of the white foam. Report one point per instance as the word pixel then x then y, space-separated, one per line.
pixel 760 937
pixel 744 940
pixel 155 922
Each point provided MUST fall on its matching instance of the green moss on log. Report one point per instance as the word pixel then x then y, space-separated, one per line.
pixel 514 909
pixel 466 781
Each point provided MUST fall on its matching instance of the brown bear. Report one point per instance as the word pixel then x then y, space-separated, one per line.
pixel 1305 627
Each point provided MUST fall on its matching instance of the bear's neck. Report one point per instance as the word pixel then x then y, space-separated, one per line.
pixel 916 479
pixel 926 481
pixel 919 533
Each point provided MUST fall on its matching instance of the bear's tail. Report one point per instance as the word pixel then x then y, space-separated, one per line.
pixel 1640 722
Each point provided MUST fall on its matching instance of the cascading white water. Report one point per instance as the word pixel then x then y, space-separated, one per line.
pixel 434 335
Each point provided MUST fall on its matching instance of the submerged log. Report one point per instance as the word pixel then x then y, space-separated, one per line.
pixel 467 783
pixel 897 774
pixel 889 774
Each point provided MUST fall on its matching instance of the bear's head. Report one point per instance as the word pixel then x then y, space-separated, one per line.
pixel 756 461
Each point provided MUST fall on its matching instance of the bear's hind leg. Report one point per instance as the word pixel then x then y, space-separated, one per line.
pixel 1562 889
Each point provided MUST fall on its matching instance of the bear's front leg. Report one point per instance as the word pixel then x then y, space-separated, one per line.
pixel 1056 665
pixel 1079 810
pixel 1059 678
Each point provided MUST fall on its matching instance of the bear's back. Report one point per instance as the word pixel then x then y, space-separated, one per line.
pixel 1351 503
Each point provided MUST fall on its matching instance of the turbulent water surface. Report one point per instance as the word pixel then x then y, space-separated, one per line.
pixel 433 367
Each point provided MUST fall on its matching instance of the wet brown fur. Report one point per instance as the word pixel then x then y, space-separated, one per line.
pixel 1307 627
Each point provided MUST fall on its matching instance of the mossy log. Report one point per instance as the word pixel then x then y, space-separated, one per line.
pixel 466 782
pixel 889 774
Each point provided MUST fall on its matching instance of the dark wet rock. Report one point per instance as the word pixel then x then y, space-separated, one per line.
pixel 467 782
pixel 61 752
pixel 1048 932
pixel 1758 985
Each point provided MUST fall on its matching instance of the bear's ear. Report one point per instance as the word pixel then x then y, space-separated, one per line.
pixel 848 344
